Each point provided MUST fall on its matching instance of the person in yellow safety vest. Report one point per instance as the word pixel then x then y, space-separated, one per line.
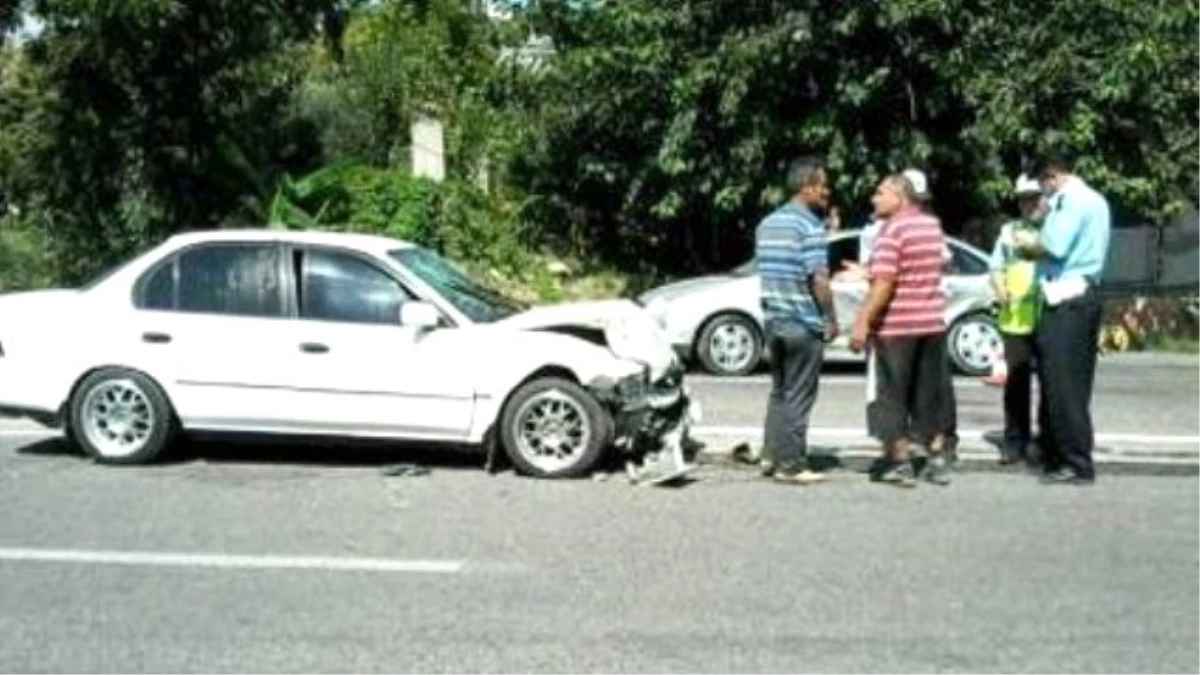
pixel 1013 277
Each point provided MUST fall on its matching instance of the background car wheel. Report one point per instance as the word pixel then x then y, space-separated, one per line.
pixel 553 428
pixel 974 343
pixel 730 344
pixel 120 416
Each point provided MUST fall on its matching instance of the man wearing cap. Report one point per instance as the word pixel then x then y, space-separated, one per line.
pixel 866 238
pixel 1014 281
pixel 1070 249
pixel 903 318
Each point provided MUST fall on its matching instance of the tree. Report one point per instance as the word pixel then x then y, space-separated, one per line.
pixel 665 125
pixel 162 115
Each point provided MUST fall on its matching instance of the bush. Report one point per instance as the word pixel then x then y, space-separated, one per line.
pixel 24 261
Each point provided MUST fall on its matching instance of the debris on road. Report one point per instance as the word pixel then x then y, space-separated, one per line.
pixel 405 470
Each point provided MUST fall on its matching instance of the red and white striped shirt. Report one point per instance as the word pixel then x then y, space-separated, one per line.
pixel 909 249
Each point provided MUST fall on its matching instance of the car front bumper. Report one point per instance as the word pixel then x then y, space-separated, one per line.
pixel 653 430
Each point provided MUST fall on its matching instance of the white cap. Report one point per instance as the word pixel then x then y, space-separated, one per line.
pixel 919 182
pixel 1027 185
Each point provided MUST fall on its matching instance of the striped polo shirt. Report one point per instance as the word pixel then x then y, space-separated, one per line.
pixel 790 247
pixel 909 249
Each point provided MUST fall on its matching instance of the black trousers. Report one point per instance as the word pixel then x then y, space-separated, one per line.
pixel 1066 356
pixel 796 355
pixel 1018 423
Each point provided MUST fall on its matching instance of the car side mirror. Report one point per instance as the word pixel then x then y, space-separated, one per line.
pixel 419 315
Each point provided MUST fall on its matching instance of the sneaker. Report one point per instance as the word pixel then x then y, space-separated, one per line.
pixel 805 477
pixel 767 468
pixel 936 471
pixel 900 475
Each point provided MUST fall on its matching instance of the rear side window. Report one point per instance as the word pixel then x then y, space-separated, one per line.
pixel 230 279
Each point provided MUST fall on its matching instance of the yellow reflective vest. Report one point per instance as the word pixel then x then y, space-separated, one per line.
pixel 1018 316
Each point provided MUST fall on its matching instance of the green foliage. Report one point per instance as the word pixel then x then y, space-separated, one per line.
pixel 402 59
pixel 23 261
pixel 665 126
pixel 655 137
pixel 452 217
pixel 157 116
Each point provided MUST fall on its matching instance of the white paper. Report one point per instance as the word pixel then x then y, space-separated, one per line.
pixel 1058 292
pixel 870 375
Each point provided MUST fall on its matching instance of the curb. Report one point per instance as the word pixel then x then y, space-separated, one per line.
pixel 856 458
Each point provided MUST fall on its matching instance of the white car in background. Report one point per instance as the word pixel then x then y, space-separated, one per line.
pixel 716 320
pixel 338 335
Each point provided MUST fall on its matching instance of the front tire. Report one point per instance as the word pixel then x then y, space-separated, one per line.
pixel 553 428
pixel 974 343
pixel 120 416
pixel 730 345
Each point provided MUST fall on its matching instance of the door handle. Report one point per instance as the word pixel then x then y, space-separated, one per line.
pixel 313 348
pixel 156 338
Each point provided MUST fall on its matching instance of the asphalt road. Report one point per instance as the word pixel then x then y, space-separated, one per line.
pixel 162 569
pixel 285 557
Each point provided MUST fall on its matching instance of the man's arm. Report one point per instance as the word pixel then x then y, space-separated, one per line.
pixel 815 253
pixel 885 265
pixel 996 262
pixel 1061 227
pixel 878 296
pixel 823 294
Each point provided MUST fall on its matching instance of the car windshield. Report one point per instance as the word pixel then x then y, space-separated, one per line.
pixel 479 303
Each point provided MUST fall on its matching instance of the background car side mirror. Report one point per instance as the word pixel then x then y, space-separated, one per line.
pixel 419 315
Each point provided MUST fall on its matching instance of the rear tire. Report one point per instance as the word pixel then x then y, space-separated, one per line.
pixel 730 345
pixel 553 428
pixel 973 343
pixel 120 416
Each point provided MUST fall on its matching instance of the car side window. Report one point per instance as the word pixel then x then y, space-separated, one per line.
pixel 158 291
pixel 232 279
pixel 341 287
pixel 962 262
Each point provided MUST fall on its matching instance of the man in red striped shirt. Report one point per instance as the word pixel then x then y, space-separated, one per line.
pixel 903 319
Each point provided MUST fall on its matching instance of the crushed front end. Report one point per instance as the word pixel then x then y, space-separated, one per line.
pixel 652 424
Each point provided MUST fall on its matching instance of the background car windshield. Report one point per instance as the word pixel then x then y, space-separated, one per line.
pixel 479 304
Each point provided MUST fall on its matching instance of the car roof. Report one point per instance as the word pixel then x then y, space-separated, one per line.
pixel 369 242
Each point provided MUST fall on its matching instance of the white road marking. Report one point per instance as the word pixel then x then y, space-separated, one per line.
pixel 153 559
pixel 755 432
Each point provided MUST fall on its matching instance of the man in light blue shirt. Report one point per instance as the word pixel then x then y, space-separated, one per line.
pixel 1070 250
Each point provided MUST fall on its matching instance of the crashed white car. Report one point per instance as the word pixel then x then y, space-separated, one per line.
pixel 343 335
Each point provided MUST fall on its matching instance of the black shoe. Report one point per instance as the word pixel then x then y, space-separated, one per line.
pixel 1010 455
pixel 1065 477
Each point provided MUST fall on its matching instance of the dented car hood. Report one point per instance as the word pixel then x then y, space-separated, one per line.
pixel 628 330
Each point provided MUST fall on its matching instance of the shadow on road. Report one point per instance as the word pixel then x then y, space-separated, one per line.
pixel 302 451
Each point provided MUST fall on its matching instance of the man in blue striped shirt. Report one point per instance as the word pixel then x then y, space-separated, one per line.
pixel 791 252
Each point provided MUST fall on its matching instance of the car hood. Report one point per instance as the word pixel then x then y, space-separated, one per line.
pixel 688 287
pixel 620 325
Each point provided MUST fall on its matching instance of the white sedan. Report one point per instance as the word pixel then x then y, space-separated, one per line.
pixel 717 321
pixel 328 334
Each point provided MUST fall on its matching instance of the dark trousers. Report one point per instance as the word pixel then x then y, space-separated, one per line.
pixel 1066 355
pixel 796 355
pixel 1018 422
pixel 914 394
